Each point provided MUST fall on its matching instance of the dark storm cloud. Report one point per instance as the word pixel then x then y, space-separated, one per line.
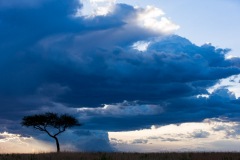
pixel 53 60
pixel 221 103
pixel 84 140
pixel 117 74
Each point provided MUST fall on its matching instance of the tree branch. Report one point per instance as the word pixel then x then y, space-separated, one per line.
pixel 39 128
pixel 49 133
pixel 60 131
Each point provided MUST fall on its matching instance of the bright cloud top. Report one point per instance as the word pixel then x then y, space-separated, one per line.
pixel 153 19
pixel 97 7
pixel 141 45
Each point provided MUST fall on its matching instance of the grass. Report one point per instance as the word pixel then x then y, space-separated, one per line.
pixel 123 156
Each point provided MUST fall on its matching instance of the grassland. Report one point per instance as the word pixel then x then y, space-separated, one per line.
pixel 122 156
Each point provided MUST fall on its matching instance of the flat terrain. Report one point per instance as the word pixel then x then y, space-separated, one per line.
pixel 122 156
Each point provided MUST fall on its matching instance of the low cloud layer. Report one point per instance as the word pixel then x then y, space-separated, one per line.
pixel 15 143
pixel 121 70
pixel 208 135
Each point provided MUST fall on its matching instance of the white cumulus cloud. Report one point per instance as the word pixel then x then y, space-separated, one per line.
pixel 93 8
pixel 150 17
pixel 153 18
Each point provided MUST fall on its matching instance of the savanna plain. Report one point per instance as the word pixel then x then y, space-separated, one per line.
pixel 124 156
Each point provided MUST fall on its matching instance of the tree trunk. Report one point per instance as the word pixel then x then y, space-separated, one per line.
pixel 57 143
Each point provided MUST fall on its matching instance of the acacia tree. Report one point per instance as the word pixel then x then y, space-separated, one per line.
pixel 51 123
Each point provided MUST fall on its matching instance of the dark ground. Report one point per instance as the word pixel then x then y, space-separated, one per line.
pixel 123 156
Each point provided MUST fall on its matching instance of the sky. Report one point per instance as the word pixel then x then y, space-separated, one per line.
pixel 145 76
pixel 214 21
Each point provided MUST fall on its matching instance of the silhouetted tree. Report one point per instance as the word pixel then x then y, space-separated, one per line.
pixel 51 123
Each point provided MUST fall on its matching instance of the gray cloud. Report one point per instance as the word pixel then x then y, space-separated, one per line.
pixel 170 139
pixel 200 134
pixel 122 109
pixel 139 141
pixel 167 139
pixel 89 141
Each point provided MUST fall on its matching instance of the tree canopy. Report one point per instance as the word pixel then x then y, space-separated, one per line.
pixel 48 121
